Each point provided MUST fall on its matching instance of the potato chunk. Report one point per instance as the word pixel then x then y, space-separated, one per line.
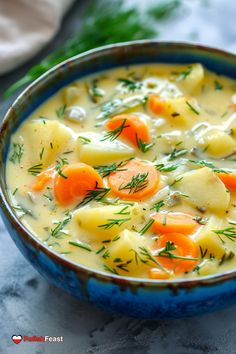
pixel 101 221
pixel 182 111
pixel 123 253
pixel 219 144
pixel 191 78
pixel 210 241
pixel 98 152
pixel 49 135
pixel 204 189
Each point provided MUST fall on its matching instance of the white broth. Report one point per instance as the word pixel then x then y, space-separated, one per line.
pixel 132 171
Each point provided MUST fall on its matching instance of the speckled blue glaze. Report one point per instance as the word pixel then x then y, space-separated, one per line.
pixel 150 299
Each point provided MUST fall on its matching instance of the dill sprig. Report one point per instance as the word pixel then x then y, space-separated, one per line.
pixel 110 269
pixel 203 163
pixel 62 161
pixel 105 22
pixel 17 153
pixel 94 92
pixel 137 183
pixel 157 206
pixel 166 168
pixel 218 85
pixel 148 257
pixel 177 153
pixel 105 170
pixel 144 147
pixel 58 230
pixel 229 232
pixel 113 222
pixel 60 112
pixel 96 194
pixel 193 109
pixel 115 133
pixel 130 84
pixel 22 211
pixel 84 140
pixel 81 244
pixel 146 227
pixel 36 169
pixel 167 252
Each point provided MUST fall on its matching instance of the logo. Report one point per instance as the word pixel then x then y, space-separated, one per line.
pixel 16 339
pixel 50 339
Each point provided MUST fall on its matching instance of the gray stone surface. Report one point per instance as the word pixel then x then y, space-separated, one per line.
pixel 31 306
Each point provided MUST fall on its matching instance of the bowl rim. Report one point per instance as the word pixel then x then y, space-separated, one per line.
pixel 27 236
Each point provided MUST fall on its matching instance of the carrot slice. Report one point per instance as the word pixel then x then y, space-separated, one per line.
pixel 184 247
pixel 79 179
pixel 139 180
pixel 173 222
pixel 155 104
pixel 156 273
pixel 42 180
pixel 135 128
pixel 229 179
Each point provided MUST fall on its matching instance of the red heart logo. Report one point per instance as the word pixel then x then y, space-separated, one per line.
pixel 16 339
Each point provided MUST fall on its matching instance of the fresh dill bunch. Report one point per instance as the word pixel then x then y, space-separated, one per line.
pixel 104 22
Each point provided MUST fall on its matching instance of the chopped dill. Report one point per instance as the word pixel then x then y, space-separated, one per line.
pixel 81 244
pixel 17 153
pixel 113 222
pixel 193 109
pixel 137 183
pixel 36 169
pixel 115 133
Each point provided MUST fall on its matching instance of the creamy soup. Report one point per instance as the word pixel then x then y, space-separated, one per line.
pixel 131 172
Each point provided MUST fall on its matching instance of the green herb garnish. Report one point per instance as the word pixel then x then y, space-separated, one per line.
pixel 193 109
pixel 60 112
pixel 84 140
pixel 113 222
pixel 165 168
pixel 80 244
pixel 58 230
pixel 17 153
pixel 131 85
pixel 218 85
pixel 167 252
pixel 177 153
pixel 229 232
pixel 60 163
pixel 36 169
pixel 157 206
pixel 96 194
pixel 137 183
pixel 144 147
pixel 105 170
pixel 146 227
pixel 115 133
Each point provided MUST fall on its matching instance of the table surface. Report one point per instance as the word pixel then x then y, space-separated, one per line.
pixel 29 305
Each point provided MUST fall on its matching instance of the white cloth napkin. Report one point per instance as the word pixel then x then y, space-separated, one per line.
pixel 25 27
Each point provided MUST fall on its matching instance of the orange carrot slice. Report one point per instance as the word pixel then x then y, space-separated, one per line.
pixel 155 104
pixel 184 247
pixel 156 273
pixel 229 179
pixel 135 128
pixel 79 179
pixel 174 222
pixel 139 180
pixel 42 180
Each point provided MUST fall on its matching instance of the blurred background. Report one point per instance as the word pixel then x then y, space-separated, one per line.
pixel 34 36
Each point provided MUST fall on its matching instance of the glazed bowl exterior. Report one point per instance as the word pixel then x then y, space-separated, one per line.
pixel 142 298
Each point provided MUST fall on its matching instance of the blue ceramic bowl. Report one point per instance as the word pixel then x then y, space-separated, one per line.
pixel 142 298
